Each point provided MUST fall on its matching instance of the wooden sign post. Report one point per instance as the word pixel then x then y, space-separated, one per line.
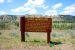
pixel 35 25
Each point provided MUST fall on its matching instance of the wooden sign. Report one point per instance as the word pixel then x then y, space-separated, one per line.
pixel 35 25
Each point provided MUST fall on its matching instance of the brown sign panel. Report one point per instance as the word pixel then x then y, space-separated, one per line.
pixel 35 25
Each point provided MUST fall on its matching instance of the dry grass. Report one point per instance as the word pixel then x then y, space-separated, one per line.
pixel 10 40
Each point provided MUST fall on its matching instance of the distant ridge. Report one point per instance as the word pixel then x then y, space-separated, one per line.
pixel 65 18
pixel 8 17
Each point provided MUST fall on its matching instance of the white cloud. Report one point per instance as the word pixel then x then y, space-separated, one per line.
pixel 34 2
pixel 24 10
pixel 8 1
pixel 69 10
pixel 1 1
pixel 44 6
pixel 33 11
pixel 58 5
pixel 3 13
pixel 54 10
pixel 21 9
pixel 29 7
pixel 37 2
pixel 51 12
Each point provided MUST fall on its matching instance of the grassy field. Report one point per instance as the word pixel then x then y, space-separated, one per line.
pixel 10 40
pixel 63 26
pixel 62 37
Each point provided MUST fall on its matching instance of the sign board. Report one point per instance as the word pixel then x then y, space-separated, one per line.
pixel 35 25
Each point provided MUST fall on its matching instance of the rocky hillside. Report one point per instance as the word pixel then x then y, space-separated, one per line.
pixel 8 17
pixel 65 18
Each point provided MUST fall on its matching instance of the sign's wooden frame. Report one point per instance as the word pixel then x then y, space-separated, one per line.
pixel 22 28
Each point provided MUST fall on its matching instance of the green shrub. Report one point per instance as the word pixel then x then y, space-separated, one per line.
pixel 16 23
pixel 63 26
pixel 14 35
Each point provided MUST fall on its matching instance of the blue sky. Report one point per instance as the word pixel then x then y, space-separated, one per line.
pixel 42 7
